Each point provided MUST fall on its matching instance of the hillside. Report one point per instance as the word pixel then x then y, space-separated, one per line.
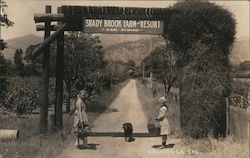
pixel 133 50
pixel 243 71
pixel 111 39
pixel 21 42
pixel 126 47
pixel 240 52
pixel 24 42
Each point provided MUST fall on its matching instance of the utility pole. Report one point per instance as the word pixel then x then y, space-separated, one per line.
pixel 143 70
pixel 0 52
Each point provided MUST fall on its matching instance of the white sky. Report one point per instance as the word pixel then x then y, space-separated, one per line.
pixel 22 13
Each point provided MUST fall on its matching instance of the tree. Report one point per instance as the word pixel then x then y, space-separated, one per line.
pixel 83 63
pixel 131 64
pixel 3 82
pixel 18 60
pixel 36 63
pixel 202 34
pixel 4 21
pixel 10 68
pixel 162 63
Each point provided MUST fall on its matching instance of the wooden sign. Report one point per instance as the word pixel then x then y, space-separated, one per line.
pixel 154 27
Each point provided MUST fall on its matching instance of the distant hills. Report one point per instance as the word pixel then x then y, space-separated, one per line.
pixel 126 47
pixel 137 50
pixel 111 39
pixel 20 42
pixel 243 71
pixel 132 50
pixel 240 51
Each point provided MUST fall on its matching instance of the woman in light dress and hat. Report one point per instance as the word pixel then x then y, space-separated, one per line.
pixel 163 121
pixel 81 118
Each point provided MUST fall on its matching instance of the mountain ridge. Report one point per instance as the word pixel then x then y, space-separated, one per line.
pixel 22 42
pixel 125 47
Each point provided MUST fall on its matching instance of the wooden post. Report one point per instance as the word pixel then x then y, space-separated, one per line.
pixel 59 80
pixel 227 116
pixel 241 101
pixel 143 70
pixel 45 79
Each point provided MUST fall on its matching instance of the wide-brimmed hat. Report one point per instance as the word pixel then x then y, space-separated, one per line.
pixel 162 100
pixel 83 92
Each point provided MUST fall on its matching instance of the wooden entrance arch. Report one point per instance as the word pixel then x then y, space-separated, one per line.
pixel 74 18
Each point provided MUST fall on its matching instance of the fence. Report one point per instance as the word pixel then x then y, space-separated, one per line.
pixel 238 114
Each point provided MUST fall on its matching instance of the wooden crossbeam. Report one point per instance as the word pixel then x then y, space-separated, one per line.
pixel 48 40
pixel 118 13
pixel 75 13
pixel 112 10
pixel 52 27
pixel 48 17
pixel 71 17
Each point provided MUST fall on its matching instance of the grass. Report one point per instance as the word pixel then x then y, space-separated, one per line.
pixel 32 145
pixel 217 148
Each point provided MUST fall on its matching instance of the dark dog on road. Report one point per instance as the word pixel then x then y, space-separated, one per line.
pixel 128 130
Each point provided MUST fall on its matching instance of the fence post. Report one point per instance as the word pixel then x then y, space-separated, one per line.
pixel 227 116
pixel 242 101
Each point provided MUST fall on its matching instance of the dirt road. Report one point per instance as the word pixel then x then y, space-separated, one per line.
pixel 125 108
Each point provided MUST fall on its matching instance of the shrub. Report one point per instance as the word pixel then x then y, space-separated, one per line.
pixel 25 93
pixel 202 34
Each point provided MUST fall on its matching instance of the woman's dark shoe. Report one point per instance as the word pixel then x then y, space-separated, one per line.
pixel 163 145
pixel 86 146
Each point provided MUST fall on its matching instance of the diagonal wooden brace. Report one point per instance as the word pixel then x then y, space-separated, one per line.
pixel 47 41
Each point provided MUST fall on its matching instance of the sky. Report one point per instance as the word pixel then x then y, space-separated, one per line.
pixel 22 13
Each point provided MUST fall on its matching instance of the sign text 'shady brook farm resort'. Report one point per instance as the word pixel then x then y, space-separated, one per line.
pixel 123 26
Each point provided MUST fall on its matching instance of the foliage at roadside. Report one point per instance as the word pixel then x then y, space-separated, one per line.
pixel 240 87
pixel 202 34
pixel 84 65
pixel 151 105
pixel 161 62
pixel 119 70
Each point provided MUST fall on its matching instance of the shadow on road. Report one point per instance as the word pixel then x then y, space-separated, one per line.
pixel 120 134
pixel 89 147
pixel 111 110
pixel 167 146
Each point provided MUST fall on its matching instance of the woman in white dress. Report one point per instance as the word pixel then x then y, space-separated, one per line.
pixel 163 121
pixel 81 118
